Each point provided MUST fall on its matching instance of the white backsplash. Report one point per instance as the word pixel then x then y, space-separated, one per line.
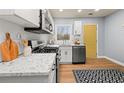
pixel 0 57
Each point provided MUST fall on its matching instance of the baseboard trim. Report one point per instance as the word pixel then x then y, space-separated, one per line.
pixel 111 59
pixel 115 61
pixel 100 56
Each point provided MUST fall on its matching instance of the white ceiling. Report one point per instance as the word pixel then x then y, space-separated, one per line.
pixel 72 13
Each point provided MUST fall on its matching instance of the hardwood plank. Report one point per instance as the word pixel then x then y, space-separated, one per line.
pixel 66 74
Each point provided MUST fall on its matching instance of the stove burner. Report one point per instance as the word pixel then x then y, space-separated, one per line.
pixel 46 50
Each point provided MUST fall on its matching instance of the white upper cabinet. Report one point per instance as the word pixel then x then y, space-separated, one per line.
pixel 77 27
pixel 23 17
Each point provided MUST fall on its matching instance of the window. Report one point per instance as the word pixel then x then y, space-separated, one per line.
pixel 64 32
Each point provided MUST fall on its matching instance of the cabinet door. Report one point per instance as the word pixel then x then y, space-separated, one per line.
pixel 31 15
pixel 66 56
pixel 77 27
pixel 62 56
pixel 23 17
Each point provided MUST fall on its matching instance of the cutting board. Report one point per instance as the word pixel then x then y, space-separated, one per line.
pixel 15 38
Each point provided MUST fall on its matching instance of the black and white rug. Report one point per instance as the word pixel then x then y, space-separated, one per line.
pixel 99 76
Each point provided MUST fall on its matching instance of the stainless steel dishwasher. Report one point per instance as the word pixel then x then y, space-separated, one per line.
pixel 78 54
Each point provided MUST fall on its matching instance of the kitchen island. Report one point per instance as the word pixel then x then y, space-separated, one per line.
pixel 37 68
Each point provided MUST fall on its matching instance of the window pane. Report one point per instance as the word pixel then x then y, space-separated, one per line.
pixel 63 32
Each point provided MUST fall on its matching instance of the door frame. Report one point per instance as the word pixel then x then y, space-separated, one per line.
pixel 97 56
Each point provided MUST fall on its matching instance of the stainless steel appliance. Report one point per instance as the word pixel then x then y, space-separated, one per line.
pixel 78 54
pixel 46 23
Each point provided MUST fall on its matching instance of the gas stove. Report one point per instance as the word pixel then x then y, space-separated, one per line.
pixel 45 50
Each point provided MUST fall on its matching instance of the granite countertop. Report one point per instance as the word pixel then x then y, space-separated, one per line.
pixel 64 45
pixel 70 45
pixel 36 64
pixel 53 45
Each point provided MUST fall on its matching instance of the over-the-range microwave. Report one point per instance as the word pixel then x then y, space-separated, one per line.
pixel 46 23
pixel 46 20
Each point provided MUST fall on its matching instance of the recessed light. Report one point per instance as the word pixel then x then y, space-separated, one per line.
pixel 79 10
pixel 96 9
pixel 60 10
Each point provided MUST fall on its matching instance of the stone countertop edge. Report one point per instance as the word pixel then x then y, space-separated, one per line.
pixel 44 71
pixel 71 45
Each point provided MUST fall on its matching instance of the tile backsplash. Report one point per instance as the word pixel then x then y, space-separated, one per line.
pixel 1 40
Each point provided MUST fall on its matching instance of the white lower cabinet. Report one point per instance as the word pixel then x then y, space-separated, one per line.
pixel 66 55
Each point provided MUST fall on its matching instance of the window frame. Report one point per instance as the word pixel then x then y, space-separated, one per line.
pixel 71 30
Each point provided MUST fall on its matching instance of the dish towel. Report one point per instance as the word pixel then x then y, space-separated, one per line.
pixel 8 53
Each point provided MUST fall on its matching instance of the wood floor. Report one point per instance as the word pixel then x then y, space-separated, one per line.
pixel 66 74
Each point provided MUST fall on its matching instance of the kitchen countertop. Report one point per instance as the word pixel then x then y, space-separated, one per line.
pixel 70 45
pixel 52 45
pixel 36 64
pixel 64 45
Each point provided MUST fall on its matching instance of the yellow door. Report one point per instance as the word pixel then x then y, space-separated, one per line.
pixel 90 40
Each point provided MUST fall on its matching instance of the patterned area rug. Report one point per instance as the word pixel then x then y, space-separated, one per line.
pixel 99 76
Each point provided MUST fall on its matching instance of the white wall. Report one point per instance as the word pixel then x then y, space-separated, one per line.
pixel 99 21
pixel 114 36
